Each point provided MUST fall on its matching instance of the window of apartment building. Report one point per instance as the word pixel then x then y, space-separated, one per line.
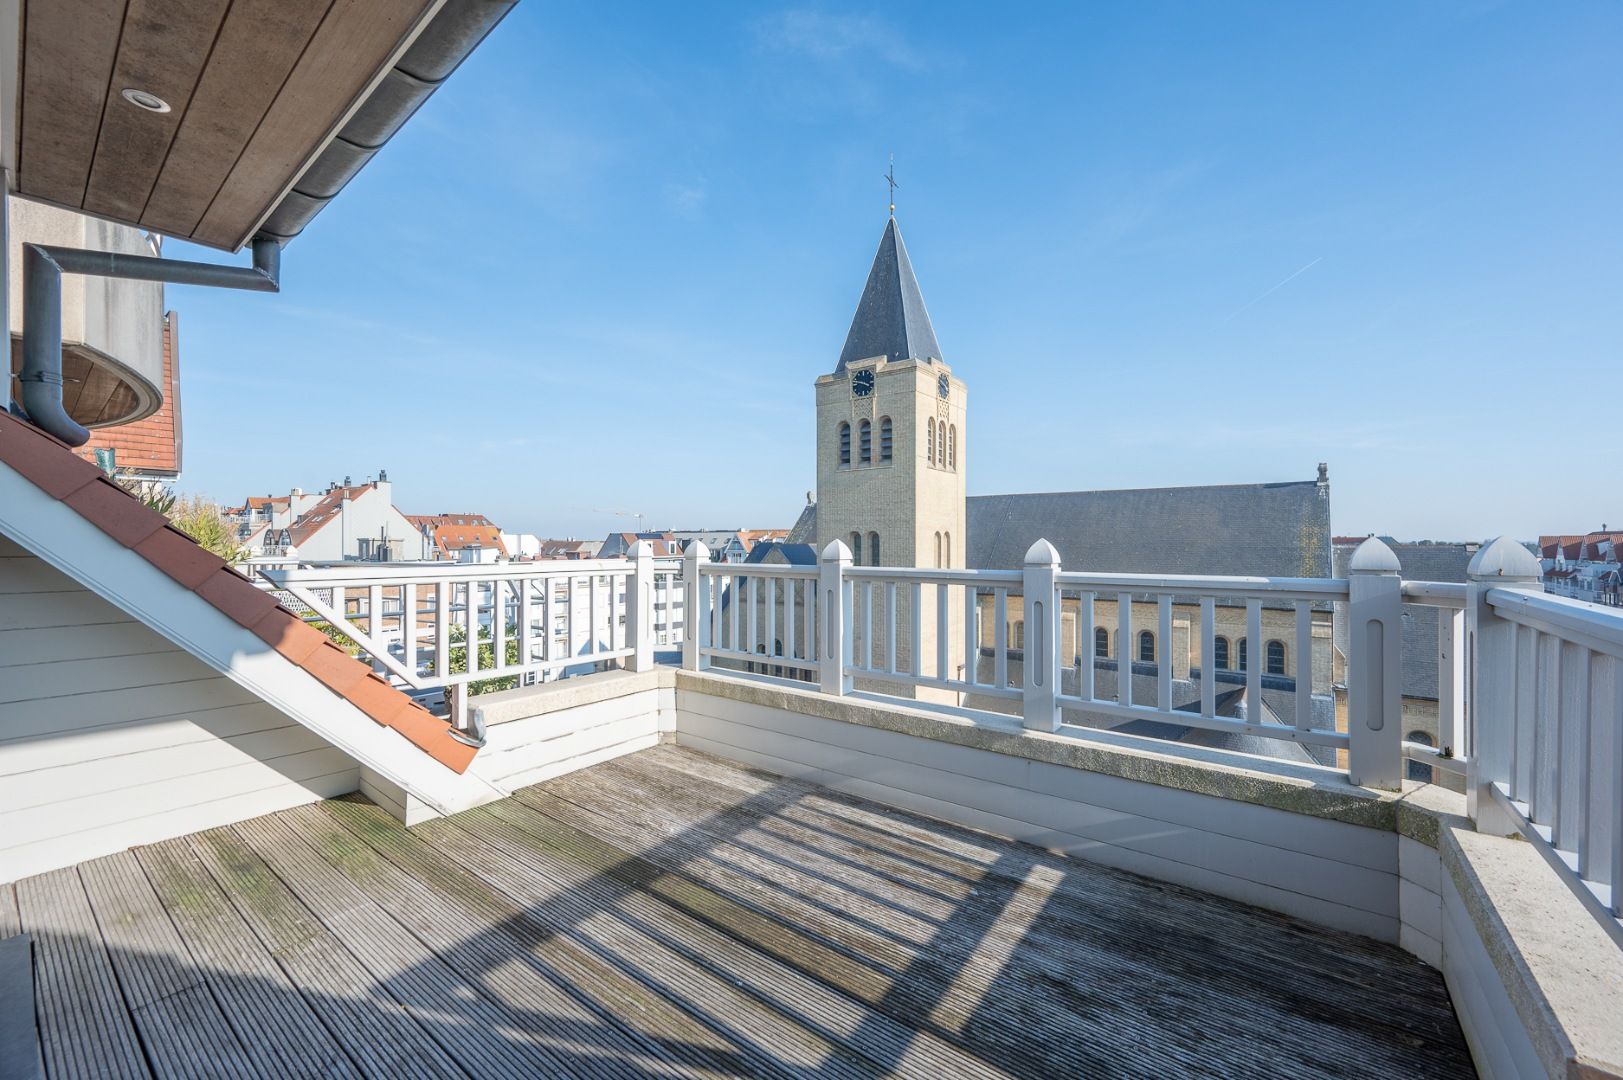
pixel 1101 642
pixel 845 444
pixel 865 442
pixel 1146 647
pixel 884 438
pixel 1220 653
pixel 1276 658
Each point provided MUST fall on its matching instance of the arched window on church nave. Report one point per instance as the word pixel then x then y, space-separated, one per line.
pixel 1242 654
pixel 865 443
pixel 873 549
pixel 856 549
pixel 884 438
pixel 1146 647
pixel 1276 658
pixel 929 441
pixel 1220 653
pixel 1101 642
pixel 938 550
pixel 845 444
pixel 952 448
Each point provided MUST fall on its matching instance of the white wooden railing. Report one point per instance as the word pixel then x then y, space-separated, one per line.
pixel 1530 686
pixel 1546 724
pixel 518 621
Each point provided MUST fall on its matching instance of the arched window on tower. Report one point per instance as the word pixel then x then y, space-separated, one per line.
pixel 952 448
pixel 856 549
pixel 946 547
pixel 1101 642
pixel 873 549
pixel 929 441
pixel 845 444
pixel 941 444
pixel 865 443
pixel 938 550
pixel 1276 658
pixel 884 438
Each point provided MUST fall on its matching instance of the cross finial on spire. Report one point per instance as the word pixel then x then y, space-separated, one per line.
pixel 890 178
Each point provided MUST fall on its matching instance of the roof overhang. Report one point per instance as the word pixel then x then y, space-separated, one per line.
pixel 271 107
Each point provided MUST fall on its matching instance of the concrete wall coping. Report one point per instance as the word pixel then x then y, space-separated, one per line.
pixel 1562 971
pixel 525 702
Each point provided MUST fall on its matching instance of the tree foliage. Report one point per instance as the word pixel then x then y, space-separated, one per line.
pixel 199 518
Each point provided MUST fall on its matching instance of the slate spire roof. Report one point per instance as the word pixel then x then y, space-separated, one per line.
pixel 890 319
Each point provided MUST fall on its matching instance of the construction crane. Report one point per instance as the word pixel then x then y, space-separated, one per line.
pixel 637 514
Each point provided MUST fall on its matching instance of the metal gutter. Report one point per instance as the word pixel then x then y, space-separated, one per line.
pixel 453 32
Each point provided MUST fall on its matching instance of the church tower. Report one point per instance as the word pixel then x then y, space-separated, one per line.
pixel 892 447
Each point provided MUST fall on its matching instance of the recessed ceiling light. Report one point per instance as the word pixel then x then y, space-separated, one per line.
pixel 143 100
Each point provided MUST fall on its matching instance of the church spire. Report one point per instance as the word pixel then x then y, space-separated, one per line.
pixel 890 319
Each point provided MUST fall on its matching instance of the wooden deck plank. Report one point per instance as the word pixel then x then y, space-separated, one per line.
pixel 372 1026
pixel 674 914
pixel 516 940
pixel 181 1027
pixel 760 1033
pixel 272 1020
pixel 85 1027
pixel 1200 941
pixel 476 1027
pixel 10 921
pixel 933 986
pixel 584 870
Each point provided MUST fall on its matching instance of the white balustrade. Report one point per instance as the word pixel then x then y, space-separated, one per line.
pixel 1530 686
pixel 1545 723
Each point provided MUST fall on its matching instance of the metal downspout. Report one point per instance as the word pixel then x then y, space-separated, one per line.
pixel 40 380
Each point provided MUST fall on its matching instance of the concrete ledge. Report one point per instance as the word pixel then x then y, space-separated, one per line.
pixel 1562 972
pixel 1286 786
pixel 526 702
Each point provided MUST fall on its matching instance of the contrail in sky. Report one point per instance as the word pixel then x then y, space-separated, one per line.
pixel 1276 288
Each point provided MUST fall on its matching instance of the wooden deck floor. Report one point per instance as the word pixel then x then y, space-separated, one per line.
pixel 671 914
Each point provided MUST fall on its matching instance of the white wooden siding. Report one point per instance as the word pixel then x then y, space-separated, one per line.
pixel 111 736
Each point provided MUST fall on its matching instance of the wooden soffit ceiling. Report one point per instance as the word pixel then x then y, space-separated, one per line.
pixel 255 89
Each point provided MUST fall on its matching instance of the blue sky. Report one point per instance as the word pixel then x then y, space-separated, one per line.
pixel 1164 244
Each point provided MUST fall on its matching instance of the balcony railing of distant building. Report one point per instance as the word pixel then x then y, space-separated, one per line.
pixel 1529 686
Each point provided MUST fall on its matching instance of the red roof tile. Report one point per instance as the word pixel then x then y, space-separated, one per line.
pixel 52 467
pixel 178 555
pixel 116 512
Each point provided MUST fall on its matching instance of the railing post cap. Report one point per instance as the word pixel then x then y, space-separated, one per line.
pixel 1042 553
pixel 696 550
pixel 1374 557
pixel 1502 558
pixel 837 552
pixel 642 549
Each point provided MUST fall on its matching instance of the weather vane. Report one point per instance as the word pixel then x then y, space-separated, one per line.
pixel 890 178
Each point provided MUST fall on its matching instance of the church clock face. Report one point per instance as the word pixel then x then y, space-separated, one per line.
pixel 943 387
pixel 862 384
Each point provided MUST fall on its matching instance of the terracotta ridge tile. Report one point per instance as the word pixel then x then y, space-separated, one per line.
pixel 116 512
pixel 177 555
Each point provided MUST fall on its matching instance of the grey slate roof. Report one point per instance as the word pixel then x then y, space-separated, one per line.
pixel 1419 562
pixel 805 528
pixel 890 319
pixel 1276 530
pixel 774 553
